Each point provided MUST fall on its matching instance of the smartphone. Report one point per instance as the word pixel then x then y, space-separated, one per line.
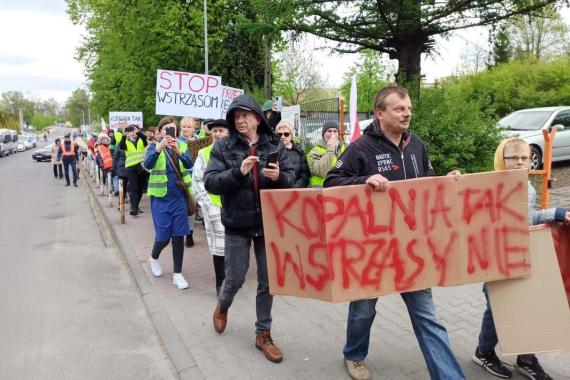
pixel 279 101
pixel 271 159
pixel 171 131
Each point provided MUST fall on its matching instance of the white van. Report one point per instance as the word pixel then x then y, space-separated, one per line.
pixel 7 144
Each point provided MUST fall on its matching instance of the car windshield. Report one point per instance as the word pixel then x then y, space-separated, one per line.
pixel 525 120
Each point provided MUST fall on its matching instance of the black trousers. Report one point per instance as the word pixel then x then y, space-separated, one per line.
pixel 135 186
pixel 58 170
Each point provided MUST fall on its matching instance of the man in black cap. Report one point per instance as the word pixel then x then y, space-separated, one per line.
pixel 68 153
pixel 238 169
pixel 325 154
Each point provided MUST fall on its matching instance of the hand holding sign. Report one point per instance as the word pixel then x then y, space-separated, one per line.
pixel 377 182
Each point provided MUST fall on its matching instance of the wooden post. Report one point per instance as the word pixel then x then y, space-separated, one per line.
pixel 341 119
pixel 546 171
pixel 110 188
pixel 121 201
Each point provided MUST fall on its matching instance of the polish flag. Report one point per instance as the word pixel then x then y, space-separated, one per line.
pixel 353 111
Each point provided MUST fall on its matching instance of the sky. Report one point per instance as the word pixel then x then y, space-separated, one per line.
pixel 38 46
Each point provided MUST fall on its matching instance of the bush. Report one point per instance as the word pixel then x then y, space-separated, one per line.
pixel 457 134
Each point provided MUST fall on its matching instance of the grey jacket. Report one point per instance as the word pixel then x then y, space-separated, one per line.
pixel 547 215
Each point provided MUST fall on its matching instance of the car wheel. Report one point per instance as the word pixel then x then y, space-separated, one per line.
pixel 535 158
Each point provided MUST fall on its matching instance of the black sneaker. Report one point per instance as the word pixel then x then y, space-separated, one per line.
pixel 492 364
pixel 189 240
pixel 531 369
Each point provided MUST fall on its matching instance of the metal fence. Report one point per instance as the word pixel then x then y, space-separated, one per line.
pixel 313 116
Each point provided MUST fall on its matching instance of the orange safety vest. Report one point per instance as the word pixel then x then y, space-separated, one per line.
pixel 70 152
pixel 106 156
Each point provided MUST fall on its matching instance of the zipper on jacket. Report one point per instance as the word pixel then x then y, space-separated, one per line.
pixel 403 163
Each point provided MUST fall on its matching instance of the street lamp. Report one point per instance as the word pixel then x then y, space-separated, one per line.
pixel 82 116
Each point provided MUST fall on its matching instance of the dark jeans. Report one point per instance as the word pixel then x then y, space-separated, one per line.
pixel 237 263
pixel 58 170
pixel 135 185
pixel 70 162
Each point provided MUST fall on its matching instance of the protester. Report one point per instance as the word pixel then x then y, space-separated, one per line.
pixel 272 114
pixel 104 158
pixel 57 165
pixel 238 170
pixel 211 204
pixel 133 144
pixel 149 133
pixel 512 154
pixel 168 202
pixel 68 153
pixel 324 155
pixel 188 127
pixel 286 134
pixel 389 138
pixel 205 131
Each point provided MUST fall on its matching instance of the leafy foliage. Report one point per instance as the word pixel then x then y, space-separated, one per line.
pixel 402 29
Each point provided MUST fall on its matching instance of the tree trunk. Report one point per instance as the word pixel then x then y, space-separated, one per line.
pixel 409 66
pixel 267 87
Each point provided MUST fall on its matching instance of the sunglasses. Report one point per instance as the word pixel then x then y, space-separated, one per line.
pixel 281 134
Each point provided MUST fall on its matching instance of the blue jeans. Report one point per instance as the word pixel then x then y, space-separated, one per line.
pixel 115 183
pixel 432 336
pixel 237 263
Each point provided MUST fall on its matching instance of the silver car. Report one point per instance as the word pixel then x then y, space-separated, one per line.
pixel 527 124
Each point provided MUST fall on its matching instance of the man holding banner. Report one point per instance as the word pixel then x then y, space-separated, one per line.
pixel 387 152
pixel 239 167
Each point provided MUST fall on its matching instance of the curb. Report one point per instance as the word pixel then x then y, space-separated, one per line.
pixel 178 353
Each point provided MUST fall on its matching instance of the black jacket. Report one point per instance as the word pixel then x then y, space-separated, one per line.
pixel 274 119
pixel 299 161
pixel 119 163
pixel 241 207
pixel 374 153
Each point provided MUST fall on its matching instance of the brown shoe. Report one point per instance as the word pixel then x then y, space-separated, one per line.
pixel 220 320
pixel 264 343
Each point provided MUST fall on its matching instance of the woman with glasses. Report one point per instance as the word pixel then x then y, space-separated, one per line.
pixel 286 133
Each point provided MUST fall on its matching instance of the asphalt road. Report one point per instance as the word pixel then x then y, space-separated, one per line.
pixel 69 308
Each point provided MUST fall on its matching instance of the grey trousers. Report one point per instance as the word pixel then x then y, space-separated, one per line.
pixel 237 263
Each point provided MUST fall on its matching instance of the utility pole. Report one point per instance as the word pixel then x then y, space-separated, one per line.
pixel 21 118
pixel 206 37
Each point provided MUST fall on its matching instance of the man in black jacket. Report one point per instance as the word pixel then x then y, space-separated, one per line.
pixel 238 170
pixel 388 152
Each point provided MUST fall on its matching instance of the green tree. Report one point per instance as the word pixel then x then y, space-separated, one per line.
pixel 372 74
pixel 127 42
pixel 298 73
pixel 402 29
pixel 502 49
pixel 541 34
pixel 77 106
pixel 13 101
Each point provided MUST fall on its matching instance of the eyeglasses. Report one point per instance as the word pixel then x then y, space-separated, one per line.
pixel 281 134
pixel 516 158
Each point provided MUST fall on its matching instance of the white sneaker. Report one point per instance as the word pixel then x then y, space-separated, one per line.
pixel 179 281
pixel 155 267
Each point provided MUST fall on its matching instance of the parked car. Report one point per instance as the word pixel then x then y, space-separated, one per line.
pixel 42 154
pixel 21 147
pixel 528 124
pixel 8 145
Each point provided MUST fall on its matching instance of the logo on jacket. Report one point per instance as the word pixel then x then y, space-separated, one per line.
pixel 338 164
pixel 384 162
pixel 395 167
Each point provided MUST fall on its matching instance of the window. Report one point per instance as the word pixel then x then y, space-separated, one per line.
pixel 562 118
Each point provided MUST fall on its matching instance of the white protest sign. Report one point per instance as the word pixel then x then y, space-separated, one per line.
pixel 228 95
pixel 188 94
pixel 135 118
pixel 292 114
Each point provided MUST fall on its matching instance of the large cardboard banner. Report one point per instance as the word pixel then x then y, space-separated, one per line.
pixel 135 118
pixel 188 94
pixel 532 315
pixel 346 243
pixel 561 236
pixel 228 95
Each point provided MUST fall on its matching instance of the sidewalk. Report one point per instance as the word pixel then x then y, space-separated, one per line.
pixel 310 333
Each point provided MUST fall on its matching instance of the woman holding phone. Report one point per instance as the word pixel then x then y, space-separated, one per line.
pixel 169 162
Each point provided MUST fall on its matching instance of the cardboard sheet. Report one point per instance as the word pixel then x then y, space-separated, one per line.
pixel 345 243
pixel 561 236
pixel 532 315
